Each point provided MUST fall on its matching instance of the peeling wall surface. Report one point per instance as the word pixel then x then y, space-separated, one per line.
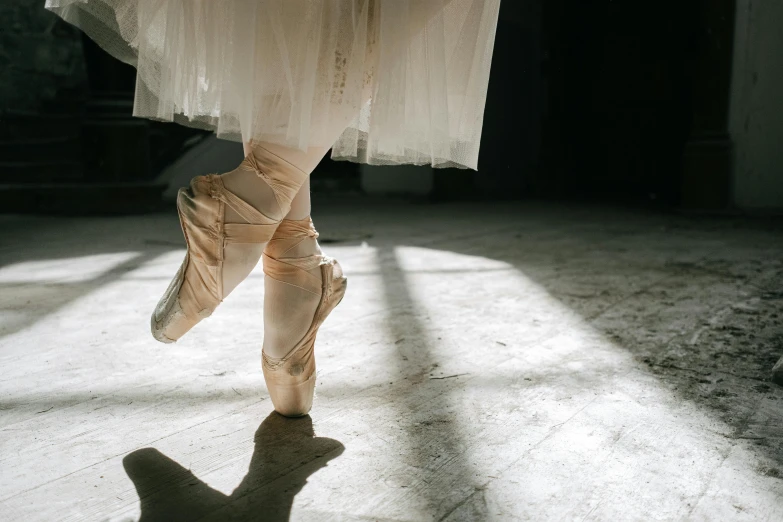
pixel 757 105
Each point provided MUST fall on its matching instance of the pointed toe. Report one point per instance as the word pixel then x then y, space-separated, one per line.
pixel 290 400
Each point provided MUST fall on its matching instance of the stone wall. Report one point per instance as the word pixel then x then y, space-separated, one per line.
pixel 757 106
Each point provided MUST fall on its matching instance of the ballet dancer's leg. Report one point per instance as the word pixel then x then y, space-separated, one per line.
pixel 296 296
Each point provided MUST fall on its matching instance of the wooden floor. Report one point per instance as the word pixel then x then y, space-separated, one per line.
pixel 498 362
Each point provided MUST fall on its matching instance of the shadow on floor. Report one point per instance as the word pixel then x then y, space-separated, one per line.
pixel 68 246
pixel 444 487
pixel 695 301
pixel 286 453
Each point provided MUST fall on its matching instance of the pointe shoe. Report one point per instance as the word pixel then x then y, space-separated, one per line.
pixel 291 378
pixel 197 288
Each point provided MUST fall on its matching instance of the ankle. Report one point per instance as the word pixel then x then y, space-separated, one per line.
pixel 254 191
pixel 305 161
pixel 294 238
pixel 300 206
pixel 268 182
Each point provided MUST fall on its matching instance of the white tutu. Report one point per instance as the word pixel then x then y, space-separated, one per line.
pixel 408 78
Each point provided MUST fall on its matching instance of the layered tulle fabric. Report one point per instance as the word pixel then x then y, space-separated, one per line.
pixel 380 81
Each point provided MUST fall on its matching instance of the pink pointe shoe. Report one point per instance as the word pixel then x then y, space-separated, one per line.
pixel 291 378
pixel 197 288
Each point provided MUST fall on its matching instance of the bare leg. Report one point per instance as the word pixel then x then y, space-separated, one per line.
pixel 300 205
pixel 241 258
pixel 289 310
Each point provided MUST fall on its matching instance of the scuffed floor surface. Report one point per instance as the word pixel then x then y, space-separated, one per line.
pixel 499 362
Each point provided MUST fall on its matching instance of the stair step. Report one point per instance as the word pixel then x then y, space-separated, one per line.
pixel 19 126
pixel 81 198
pixel 29 172
pixel 42 149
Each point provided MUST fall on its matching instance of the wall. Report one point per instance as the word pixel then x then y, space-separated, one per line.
pixel 40 56
pixel 402 179
pixel 42 87
pixel 757 105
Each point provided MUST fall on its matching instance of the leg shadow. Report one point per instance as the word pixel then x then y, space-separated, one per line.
pixel 286 453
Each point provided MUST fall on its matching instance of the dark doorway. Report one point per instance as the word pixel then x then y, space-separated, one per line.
pixel 619 110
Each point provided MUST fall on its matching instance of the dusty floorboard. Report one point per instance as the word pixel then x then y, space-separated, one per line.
pixel 508 362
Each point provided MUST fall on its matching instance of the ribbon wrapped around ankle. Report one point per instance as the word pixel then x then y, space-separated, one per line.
pixel 283 178
pixel 293 270
pixel 259 227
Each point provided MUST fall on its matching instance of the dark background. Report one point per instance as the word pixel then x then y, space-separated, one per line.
pixel 599 100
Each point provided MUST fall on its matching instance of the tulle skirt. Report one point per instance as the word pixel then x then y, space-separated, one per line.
pixel 379 81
